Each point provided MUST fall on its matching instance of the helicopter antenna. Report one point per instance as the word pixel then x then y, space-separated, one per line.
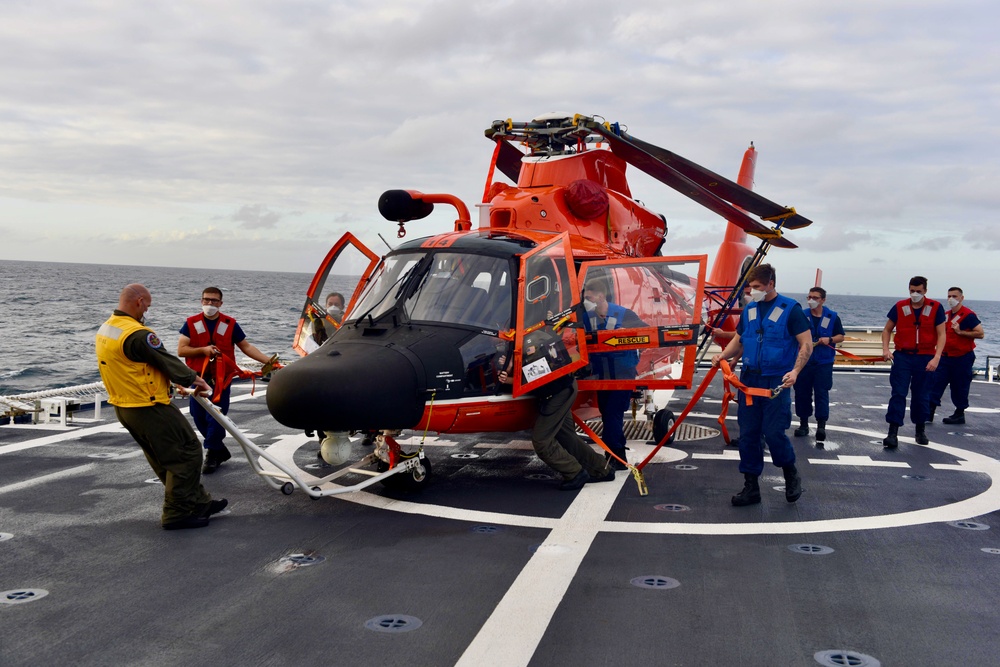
pixel 384 241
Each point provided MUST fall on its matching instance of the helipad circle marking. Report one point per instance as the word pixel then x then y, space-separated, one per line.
pixel 980 505
pixel 22 595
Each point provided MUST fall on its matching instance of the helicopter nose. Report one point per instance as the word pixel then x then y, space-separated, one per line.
pixel 351 387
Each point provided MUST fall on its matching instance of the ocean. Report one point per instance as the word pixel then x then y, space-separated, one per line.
pixel 51 313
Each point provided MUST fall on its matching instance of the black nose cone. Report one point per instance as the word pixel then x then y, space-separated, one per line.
pixel 350 386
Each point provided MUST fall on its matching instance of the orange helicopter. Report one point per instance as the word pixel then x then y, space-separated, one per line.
pixel 427 327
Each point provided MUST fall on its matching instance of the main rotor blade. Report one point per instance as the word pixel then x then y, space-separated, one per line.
pixel 664 165
pixel 509 160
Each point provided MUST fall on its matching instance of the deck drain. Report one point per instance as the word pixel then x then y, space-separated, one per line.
pixel 917 478
pixel 486 529
pixel 991 550
pixel 685 466
pixel 5 536
pixel 657 582
pixel 301 560
pixel 811 549
pixel 103 455
pixel 465 455
pixel 393 623
pixel 153 480
pixel 539 476
pixel 969 525
pixel 22 595
pixel 845 659
pixel 671 507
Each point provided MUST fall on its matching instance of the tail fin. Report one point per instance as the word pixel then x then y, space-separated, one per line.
pixel 734 251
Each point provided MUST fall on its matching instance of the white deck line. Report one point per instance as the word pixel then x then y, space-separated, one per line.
pixel 44 479
pixel 511 635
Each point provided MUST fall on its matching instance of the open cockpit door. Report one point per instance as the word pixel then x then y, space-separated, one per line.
pixel 342 274
pixel 646 337
pixel 545 348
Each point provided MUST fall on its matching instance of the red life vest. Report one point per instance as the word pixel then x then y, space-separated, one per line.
pixel 956 345
pixel 913 334
pixel 221 374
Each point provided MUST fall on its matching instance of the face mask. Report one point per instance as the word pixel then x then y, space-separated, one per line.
pixel 952 302
pixel 813 303
pixel 210 311
pixel 589 305
pixel 757 295
pixel 916 297
pixel 145 316
pixel 334 311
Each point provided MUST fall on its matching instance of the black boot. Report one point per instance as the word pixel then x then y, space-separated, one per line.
pixel 793 483
pixel 750 495
pixel 803 428
pixel 930 418
pixel 820 430
pixel 891 441
pixel 921 437
pixel 957 418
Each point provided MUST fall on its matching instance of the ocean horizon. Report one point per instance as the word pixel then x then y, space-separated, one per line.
pixel 53 311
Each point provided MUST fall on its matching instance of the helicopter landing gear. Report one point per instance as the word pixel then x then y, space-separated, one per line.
pixel 663 421
pixel 391 455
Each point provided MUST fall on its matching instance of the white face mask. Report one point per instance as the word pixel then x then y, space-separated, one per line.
pixel 916 297
pixel 145 316
pixel 334 311
pixel 813 303
pixel 757 295
pixel 210 311
pixel 952 302
pixel 589 305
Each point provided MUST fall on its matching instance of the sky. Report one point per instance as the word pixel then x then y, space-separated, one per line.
pixel 252 135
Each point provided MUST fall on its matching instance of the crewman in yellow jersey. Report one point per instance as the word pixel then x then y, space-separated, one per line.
pixel 137 372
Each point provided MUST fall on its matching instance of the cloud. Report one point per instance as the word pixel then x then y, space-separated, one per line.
pixel 256 216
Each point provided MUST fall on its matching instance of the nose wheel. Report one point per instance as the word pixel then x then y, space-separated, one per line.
pixel 391 455
pixel 663 421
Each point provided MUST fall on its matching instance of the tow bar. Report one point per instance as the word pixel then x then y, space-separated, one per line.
pixel 286 478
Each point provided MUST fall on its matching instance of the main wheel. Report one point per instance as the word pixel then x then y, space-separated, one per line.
pixel 663 421
pixel 409 481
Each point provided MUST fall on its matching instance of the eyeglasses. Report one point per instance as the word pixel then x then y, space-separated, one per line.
pixel 210 302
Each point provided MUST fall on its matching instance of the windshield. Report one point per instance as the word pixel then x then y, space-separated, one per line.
pixel 473 290
pixel 381 293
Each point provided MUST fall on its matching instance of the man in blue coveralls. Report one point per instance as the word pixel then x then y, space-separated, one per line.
pixel 919 343
pixel 603 314
pixel 817 377
pixel 774 339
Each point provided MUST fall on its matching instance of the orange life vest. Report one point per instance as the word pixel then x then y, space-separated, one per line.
pixel 915 331
pixel 956 345
pixel 221 374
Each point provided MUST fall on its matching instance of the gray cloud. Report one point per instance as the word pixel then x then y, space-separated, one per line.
pixel 256 216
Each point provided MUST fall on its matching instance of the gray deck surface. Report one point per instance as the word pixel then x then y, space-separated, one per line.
pixel 500 568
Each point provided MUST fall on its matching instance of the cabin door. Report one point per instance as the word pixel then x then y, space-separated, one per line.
pixel 646 337
pixel 546 345
pixel 339 280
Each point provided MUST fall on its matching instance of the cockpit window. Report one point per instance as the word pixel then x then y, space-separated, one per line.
pixel 381 293
pixel 472 290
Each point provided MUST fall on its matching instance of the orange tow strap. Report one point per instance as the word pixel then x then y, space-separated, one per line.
pixel 866 359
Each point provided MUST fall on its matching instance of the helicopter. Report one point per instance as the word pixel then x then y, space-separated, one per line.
pixel 426 329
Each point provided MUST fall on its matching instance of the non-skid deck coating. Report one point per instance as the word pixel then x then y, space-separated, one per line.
pixel 889 558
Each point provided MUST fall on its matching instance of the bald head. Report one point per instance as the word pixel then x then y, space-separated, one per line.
pixel 134 300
